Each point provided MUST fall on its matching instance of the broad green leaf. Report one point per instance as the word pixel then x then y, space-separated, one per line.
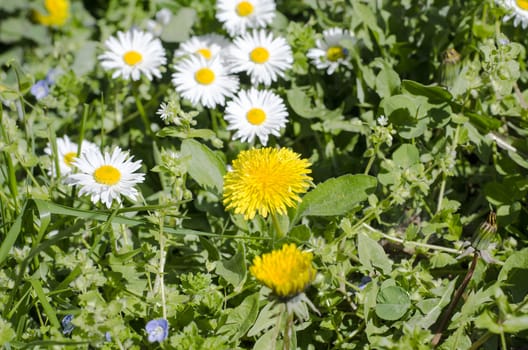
pixel 204 166
pixel 372 255
pixel 233 270
pixel 515 269
pixel 434 309
pixel 406 155
pixel 482 122
pixel 512 324
pixel 179 27
pixel 392 303
pixel 387 81
pixel 241 318
pixel 435 94
pixel 336 196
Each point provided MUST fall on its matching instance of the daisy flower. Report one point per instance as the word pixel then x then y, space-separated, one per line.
pixel 205 82
pixel 66 154
pixel 237 16
pixel 107 176
pixel 133 53
pixel 265 180
pixel 329 54
pixel 256 113
pixel 262 56
pixel 287 271
pixel 57 14
pixel 519 12
pixel 208 45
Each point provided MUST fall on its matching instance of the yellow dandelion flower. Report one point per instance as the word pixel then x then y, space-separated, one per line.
pixel 287 272
pixel 265 180
pixel 58 12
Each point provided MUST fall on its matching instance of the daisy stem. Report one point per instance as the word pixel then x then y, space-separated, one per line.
pixel 161 275
pixel 142 114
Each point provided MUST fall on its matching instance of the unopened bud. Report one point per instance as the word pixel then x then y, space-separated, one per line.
pixel 485 233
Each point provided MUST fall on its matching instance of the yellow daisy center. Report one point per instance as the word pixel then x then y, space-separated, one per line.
pixel 204 76
pixel 205 52
pixel 259 55
pixel 256 116
pixel 522 4
pixel 244 8
pixel 132 57
pixel 335 53
pixel 265 180
pixel 69 157
pixel 287 272
pixel 107 175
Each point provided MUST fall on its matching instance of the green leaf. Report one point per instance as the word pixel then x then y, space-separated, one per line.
pixel 435 94
pixel 392 303
pixel 434 309
pixel 336 196
pixel 482 122
pixel 240 319
pixel 515 269
pixel 387 81
pixel 179 27
pixel 406 155
pixel 371 254
pixel 204 166
pixel 234 270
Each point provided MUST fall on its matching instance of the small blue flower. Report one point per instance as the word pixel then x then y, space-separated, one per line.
pixel 40 89
pixel 157 330
pixel 364 281
pixel 108 337
pixel 67 325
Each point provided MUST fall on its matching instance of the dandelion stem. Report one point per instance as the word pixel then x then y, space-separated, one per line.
pixel 454 301
pixel 276 225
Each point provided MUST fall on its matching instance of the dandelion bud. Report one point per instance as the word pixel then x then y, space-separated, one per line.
pixel 486 233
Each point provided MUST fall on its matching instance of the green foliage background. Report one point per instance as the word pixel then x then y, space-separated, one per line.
pixel 395 202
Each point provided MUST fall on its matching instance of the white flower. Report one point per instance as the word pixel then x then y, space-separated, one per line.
pixel 133 53
pixel 237 16
pixel 66 154
pixel 262 56
pixel 165 111
pixel 107 176
pixel 208 46
pixel 205 82
pixel 519 12
pixel 329 53
pixel 164 16
pixel 256 113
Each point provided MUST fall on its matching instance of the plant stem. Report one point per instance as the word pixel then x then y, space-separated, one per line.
pixel 162 267
pixel 454 301
pixel 417 244
pixel 276 225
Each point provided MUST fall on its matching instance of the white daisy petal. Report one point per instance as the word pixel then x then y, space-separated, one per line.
pixel 519 11
pixel 329 54
pixel 133 53
pixel 263 57
pixel 239 15
pixel 106 177
pixel 256 113
pixel 66 154
pixel 208 46
pixel 205 82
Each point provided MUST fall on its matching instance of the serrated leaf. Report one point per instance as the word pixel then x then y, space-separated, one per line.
pixel 204 166
pixel 371 254
pixel 435 94
pixel 233 270
pixel 241 318
pixel 392 303
pixel 336 196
